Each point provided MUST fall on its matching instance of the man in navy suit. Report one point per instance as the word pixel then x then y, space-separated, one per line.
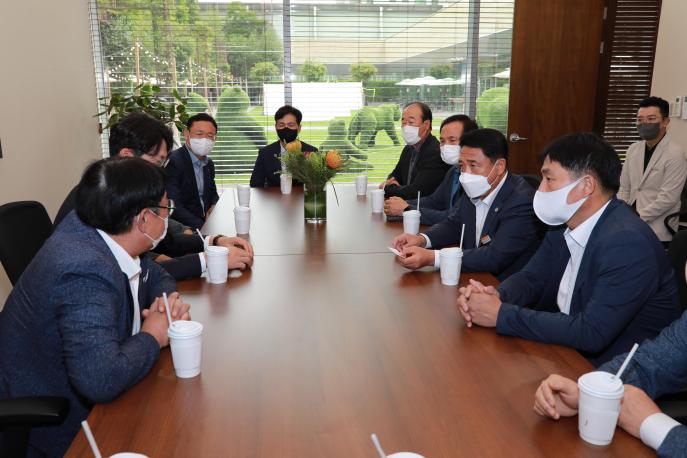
pixel 501 230
pixel 180 254
pixel 191 173
pixel 287 123
pixel 659 367
pixel 436 206
pixel 420 167
pixel 86 320
pixel 600 281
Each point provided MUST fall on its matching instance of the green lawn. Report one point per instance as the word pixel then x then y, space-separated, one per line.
pixel 381 158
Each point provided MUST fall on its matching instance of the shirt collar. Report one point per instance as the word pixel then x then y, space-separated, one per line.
pixel 195 160
pixel 130 266
pixel 582 232
pixel 492 195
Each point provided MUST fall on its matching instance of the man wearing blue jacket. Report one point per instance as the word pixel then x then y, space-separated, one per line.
pixel 501 230
pixel 436 206
pixel 86 320
pixel 659 367
pixel 600 280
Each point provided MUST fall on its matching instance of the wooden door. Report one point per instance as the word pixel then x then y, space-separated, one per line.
pixel 554 70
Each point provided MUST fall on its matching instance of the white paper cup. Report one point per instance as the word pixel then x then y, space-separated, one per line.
pixel 404 455
pixel 217 261
pixel 186 342
pixel 377 196
pixel 285 182
pixel 599 406
pixel 128 455
pixel 242 219
pixel 243 191
pixel 450 263
pixel 361 185
pixel 411 222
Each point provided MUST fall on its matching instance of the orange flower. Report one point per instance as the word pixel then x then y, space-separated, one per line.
pixel 294 146
pixel 333 159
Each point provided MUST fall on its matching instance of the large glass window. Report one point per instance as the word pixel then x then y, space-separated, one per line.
pixel 349 65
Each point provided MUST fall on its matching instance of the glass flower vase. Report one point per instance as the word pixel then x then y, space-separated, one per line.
pixel 315 204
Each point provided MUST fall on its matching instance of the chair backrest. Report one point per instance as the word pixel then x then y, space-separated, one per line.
pixel 532 180
pixel 677 252
pixel 24 227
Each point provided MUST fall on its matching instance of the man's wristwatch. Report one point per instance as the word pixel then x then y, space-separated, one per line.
pixel 215 239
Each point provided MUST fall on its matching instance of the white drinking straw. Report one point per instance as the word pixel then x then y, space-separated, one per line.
pixel 169 315
pixel 378 446
pixel 236 195
pixel 91 439
pixel 627 361
pixel 200 235
pixel 418 201
pixel 462 232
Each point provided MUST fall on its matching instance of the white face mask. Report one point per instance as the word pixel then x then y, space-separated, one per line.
pixel 201 146
pixel 156 241
pixel 450 154
pixel 553 207
pixel 475 185
pixel 411 134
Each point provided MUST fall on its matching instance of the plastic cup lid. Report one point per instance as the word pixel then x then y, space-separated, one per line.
pixel 601 384
pixel 217 250
pixel 411 213
pixel 185 329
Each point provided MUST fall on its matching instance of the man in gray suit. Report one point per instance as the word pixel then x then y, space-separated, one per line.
pixel 86 320
pixel 655 169
pixel 659 367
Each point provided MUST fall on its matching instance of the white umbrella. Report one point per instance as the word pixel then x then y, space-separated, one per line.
pixel 504 74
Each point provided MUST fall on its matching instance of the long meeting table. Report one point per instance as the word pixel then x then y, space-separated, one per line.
pixel 328 339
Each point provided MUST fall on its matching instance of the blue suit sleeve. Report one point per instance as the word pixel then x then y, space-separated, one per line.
pixel 516 232
pixel 525 287
pixel 99 366
pixel 174 192
pixel 660 365
pixel 675 443
pixel 447 231
pixel 625 280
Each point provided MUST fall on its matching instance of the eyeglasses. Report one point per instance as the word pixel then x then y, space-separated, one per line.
pixel 170 207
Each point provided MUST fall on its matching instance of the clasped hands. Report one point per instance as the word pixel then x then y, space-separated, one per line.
pixel 155 320
pixel 240 252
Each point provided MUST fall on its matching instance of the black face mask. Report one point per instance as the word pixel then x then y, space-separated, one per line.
pixel 287 135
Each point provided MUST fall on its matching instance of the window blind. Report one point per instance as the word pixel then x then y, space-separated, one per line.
pixel 631 29
pixel 353 65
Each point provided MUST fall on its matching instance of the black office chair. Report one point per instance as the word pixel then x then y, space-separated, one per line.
pixel 24 227
pixel 19 415
pixel 532 180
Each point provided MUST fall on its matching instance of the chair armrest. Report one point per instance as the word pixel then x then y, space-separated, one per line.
pixel 33 411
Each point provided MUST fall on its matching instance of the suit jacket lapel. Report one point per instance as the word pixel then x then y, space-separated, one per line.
pixel 470 227
pixel 495 207
pixel 583 273
pixel 654 158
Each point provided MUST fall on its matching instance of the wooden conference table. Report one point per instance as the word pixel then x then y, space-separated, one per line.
pixel 327 340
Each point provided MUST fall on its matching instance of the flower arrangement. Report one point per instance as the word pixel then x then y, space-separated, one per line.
pixel 314 169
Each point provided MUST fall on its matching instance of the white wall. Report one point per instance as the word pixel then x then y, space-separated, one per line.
pixel 670 67
pixel 47 102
